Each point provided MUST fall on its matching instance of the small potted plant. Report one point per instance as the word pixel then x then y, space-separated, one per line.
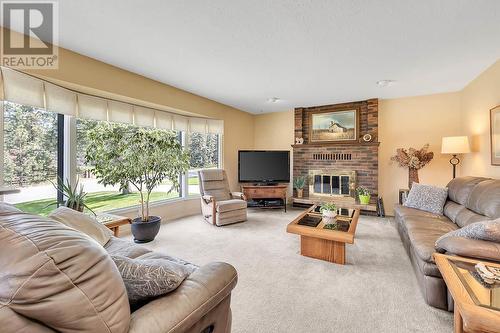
pixel 329 212
pixel 363 195
pixel 73 196
pixel 299 183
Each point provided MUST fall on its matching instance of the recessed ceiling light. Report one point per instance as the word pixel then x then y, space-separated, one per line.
pixel 273 100
pixel 385 83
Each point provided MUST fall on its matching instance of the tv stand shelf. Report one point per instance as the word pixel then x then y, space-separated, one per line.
pixel 265 196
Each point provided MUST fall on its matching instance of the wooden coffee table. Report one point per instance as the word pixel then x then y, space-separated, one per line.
pixel 319 242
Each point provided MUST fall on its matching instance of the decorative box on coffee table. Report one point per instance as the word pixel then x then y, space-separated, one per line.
pixel 325 241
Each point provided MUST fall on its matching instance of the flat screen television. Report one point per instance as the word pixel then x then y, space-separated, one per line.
pixel 264 166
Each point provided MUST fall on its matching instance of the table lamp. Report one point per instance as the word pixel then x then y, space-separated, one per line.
pixel 455 145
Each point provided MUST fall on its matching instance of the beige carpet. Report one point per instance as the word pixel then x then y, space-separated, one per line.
pixel 281 291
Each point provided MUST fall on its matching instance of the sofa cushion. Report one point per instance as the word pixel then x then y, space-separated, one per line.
pixel 427 198
pixel 485 198
pixel 83 223
pixel 5 207
pixel 423 233
pixel 146 278
pixel 403 212
pixel 122 247
pixel 484 230
pixel 230 205
pixel 459 189
pixel 58 276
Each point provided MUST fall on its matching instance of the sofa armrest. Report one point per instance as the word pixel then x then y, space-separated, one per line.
pixel 208 199
pixel 195 297
pixel 238 195
pixel 472 248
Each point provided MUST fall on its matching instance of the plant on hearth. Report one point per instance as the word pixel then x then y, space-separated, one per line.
pixel 299 183
pixel 414 160
pixel 363 195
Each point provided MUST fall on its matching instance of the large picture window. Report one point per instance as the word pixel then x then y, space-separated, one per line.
pixel 30 156
pixel 205 154
pixel 39 146
pixel 105 198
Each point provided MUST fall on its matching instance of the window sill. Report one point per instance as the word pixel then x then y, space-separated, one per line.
pixel 135 208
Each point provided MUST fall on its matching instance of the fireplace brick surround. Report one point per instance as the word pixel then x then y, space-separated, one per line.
pixel 360 156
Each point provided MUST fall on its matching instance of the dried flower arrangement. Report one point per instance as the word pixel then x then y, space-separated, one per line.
pixel 414 160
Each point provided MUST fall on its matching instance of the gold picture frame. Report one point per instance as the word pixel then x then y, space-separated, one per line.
pixel 495 135
pixel 334 126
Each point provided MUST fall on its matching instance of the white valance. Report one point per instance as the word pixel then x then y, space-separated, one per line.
pixel 215 126
pixel 180 123
pixel 90 107
pixel 119 112
pixel 198 125
pixel 60 100
pixel 25 89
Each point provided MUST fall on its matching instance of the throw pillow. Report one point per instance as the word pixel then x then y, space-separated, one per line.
pixel 484 230
pixel 83 223
pixel 427 198
pixel 147 278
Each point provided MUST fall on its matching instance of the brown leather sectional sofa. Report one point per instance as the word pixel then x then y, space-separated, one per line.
pixel 56 279
pixel 470 199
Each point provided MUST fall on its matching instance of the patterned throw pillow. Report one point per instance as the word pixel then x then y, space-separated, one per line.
pixel 427 197
pixel 147 278
pixel 484 230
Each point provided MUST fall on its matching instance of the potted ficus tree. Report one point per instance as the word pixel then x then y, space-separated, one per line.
pixel 143 158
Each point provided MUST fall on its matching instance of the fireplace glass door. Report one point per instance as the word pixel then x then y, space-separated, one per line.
pixel 327 184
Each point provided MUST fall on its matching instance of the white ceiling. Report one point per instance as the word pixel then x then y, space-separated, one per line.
pixel 306 52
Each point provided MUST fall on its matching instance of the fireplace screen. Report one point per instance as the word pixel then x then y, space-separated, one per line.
pixel 332 183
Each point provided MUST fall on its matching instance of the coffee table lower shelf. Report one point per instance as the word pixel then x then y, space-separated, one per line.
pixel 323 249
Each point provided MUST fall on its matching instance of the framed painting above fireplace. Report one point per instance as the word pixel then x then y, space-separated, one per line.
pixel 334 126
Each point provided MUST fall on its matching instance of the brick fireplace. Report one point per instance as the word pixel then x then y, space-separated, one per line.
pixel 336 168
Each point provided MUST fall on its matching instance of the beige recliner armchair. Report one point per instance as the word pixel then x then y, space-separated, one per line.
pixel 219 205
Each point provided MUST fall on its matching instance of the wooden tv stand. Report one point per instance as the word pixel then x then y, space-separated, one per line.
pixel 262 192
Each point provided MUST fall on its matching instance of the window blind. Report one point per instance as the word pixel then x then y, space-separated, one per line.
pixel 25 89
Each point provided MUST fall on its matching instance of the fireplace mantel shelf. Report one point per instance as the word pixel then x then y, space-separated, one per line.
pixel 333 144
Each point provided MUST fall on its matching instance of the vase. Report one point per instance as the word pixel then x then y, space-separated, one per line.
pixel 300 192
pixel 412 176
pixel 364 199
pixel 145 231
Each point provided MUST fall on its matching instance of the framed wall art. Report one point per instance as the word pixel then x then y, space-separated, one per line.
pixel 334 126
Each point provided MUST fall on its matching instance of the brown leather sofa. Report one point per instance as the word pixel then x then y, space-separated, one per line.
pixel 470 199
pixel 56 279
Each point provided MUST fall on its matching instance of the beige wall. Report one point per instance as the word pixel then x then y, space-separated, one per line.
pixel 275 131
pixel 413 122
pixel 477 98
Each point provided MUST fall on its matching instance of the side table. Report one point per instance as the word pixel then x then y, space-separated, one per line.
pixel 112 221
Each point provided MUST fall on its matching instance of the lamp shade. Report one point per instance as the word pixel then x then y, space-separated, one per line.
pixel 455 145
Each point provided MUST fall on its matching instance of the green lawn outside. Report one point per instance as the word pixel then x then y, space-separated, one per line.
pixel 193 181
pixel 98 202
